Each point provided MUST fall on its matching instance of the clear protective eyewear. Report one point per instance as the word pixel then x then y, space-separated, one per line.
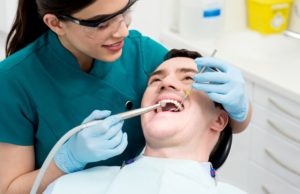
pixel 93 26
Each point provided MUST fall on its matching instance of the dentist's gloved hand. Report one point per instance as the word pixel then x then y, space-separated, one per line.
pixel 226 87
pixel 95 143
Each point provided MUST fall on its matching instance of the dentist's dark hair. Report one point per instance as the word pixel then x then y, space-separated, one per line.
pixel 222 148
pixel 28 24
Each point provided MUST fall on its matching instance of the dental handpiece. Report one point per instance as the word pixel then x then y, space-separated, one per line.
pixel 139 111
pixel 62 140
pixel 128 114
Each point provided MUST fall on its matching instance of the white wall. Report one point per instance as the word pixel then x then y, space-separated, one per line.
pixel 235 15
pixel 151 16
pixel 146 17
pixel 7 14
pixel 2 45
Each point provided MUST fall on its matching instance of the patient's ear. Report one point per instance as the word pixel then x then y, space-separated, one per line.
pixel 220 121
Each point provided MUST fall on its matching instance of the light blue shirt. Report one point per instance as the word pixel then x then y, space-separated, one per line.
pixel 147 175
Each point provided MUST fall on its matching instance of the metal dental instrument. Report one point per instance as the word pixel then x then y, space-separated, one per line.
pixel 204 67
pixel 188 92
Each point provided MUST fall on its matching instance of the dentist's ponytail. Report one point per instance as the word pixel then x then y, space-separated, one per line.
pixel 29 25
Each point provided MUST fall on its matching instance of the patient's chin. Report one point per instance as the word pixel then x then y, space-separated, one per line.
pixel 159 132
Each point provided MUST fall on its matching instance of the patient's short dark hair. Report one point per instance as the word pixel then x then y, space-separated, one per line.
pixel 182 53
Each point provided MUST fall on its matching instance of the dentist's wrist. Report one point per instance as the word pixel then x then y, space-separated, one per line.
pixel 66 162
pixel 242 113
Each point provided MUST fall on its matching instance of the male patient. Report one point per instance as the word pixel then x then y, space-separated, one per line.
pixel 179 140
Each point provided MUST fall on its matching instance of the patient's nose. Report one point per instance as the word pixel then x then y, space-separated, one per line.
pixel 169 83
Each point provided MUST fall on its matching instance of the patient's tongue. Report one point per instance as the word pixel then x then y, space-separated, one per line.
pixel 169 107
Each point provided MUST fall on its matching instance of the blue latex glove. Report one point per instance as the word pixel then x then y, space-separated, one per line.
pixel 226 87
pixel 95 143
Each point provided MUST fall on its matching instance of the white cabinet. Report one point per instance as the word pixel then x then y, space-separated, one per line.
pixel 265 158
pixel 262 181
pixel 275 143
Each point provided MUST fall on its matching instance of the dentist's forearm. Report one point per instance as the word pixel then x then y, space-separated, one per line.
pixel 23 183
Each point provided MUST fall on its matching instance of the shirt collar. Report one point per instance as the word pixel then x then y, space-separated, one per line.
pixel 204 168
pixel 64 54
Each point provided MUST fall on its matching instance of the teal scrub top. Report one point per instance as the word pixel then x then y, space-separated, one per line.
pixel 44 93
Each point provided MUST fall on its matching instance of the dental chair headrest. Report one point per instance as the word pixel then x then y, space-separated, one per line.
pixel 222 148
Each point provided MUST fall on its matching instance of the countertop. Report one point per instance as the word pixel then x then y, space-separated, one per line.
pixel 273 61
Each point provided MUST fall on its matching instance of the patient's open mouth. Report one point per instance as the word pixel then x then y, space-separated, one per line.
pixel 171 106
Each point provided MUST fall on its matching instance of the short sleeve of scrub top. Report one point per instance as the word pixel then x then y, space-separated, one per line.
pixel 44 93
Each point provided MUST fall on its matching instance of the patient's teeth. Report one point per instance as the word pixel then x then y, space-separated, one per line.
pixel 159 109
pixel 179 106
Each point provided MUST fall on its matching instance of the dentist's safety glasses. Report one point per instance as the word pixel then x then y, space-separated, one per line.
pixel 104 24
pixel 109 26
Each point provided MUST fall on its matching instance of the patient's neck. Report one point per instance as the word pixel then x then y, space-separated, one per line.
pixel 199 155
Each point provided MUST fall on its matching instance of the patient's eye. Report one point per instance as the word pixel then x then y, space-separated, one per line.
pixel 188 78
pixel 154 80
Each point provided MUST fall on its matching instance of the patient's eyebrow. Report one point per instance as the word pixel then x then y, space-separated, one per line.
pixel 187 70
pixel 179 70
pixel 158 72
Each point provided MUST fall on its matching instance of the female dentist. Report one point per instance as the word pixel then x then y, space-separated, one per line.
pixel 66 58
